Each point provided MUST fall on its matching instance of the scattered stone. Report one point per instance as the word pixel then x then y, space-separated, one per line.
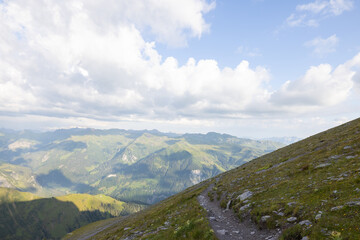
pixel 305 238
pixel 322 165
pixel 252 233
pixel 318 216
pixel 357 190
pixel 307 223
pixel 290 204
pixel 353 203
pixel 265 218
pixel 237 232
pixel 245 195
pixel 291 219
pixel 347 147
pixel 222 232
pixel 325 231
pixel 350 157
pixel 127 228
pixel 245 207
pixel 279 213
pixel 228 205
pixel 212 218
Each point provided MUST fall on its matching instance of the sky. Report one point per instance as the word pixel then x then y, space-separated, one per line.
pixel 252 68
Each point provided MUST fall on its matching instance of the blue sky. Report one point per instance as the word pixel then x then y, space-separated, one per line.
pixel 255 68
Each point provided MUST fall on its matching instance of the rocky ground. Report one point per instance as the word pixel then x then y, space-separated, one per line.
pixel 228 227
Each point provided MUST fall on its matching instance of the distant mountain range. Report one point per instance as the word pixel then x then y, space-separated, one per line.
pixel 92 172
pixel 141 166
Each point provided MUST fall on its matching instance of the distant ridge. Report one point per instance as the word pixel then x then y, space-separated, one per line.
pixel 307 190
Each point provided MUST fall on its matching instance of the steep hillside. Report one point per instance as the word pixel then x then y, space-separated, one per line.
pixel 142 166
pixel 26 216
pixel 310 188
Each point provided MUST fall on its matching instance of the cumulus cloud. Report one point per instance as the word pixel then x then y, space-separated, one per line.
pixel 85 60
pixel 320 86
pixel 311 13
pixel 323 46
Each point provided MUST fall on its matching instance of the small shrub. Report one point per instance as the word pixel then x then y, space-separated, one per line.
pixel 305 167
pixel 223 203
pixel 211 196
pixel 292 233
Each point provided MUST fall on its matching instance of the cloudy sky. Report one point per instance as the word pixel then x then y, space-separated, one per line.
pixel 252 68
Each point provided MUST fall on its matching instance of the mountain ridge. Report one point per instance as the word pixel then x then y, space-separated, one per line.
pixel 307 189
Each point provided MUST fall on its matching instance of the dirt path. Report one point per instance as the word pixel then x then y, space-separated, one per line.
pixel 228 227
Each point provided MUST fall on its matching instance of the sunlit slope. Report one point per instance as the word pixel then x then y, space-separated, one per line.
pixel 26 216
pixel 310 188
pixel 142 166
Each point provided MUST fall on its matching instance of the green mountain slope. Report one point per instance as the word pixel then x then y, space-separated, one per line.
pixel 310 188
pixel 26 216
pixel 142 166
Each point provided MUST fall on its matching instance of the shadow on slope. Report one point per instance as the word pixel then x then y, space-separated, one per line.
pixel 43 219
pixel 55 178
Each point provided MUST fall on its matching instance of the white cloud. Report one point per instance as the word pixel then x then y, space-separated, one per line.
pixel 320 86
pixel 311 13
pixel 323 46
pixel 334 7
pixel 79 60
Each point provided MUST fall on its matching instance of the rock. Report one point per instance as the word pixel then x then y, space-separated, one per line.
pixel 127 228
pixel 322 165
pixel 350 157
pixel 353 203
pixel 291 219
pixel 307 223
pixel 245 195
pixel 318 216
pixel 279 213
pixel 212 218
pixel 305 238
pixel 228 205
pixel 222 232
pixel 252 233
pixel 357 190
pixel 265 218
pixel 290 204
pixel 347 147
pixel 337 208
pixel 245 207
pixel 237 232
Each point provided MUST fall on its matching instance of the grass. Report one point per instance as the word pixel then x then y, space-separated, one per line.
pixel 301 180
pixel 178 217
pixel 27 216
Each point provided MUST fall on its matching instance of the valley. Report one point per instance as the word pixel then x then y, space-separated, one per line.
pixel 307 190
pixel 86 175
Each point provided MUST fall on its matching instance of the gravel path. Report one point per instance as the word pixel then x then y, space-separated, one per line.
pixel 228 227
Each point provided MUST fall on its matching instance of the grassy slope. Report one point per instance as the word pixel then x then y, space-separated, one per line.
pixel 179 216
pixel 26 216
pixel 315 174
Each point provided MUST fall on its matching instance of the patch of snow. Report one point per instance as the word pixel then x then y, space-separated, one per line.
pixel 111 175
